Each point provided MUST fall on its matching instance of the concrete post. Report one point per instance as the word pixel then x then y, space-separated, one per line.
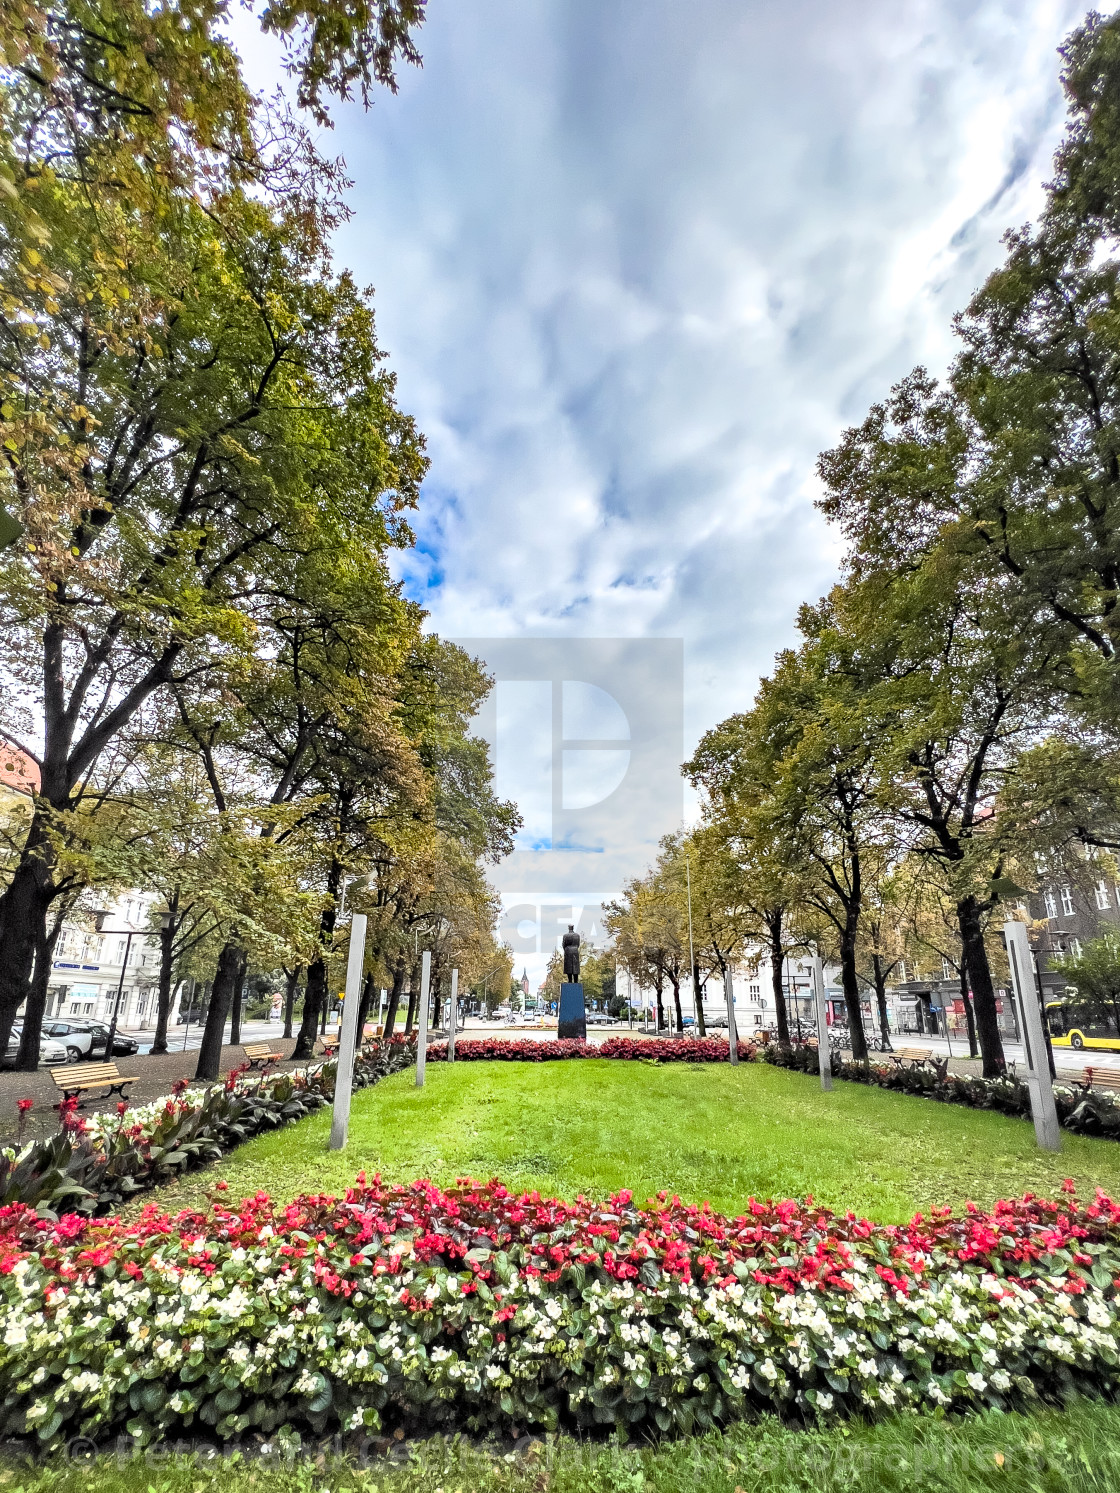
pixel 344 1077
pixel 732 1029
pixel 422 1038
pixel 824 1054
pixel 1041 1086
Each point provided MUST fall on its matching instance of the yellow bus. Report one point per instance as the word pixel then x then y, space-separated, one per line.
pixel 1071 1026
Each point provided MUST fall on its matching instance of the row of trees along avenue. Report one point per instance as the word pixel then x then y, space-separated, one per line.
pixel 946 732
pixel 229 699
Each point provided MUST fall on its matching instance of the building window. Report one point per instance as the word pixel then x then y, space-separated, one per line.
pixel 1103 899
pixel 902 971
pixel 1051 905
pixel 1067 901
pixel 758 1018
pixel 1075 947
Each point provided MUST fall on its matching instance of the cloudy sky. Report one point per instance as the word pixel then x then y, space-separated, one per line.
pixel 637 262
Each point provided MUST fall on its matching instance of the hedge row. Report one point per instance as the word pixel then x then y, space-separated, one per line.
pixel 1086 1111
pixel 476 1309
pixel 632 1049
pixel 93 1164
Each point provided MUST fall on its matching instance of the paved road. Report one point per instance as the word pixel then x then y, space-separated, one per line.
pixel 1065 1058
pixel 180 1039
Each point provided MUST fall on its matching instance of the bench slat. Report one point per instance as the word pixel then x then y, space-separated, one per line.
pixel 87 1070
pixel 1101 1078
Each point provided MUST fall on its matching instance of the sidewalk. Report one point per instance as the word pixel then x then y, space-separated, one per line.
pixel 154 1077
pixel 1067 1060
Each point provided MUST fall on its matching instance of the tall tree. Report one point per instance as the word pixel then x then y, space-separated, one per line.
pixel 181 376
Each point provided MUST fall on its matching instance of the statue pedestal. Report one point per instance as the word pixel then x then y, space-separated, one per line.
pixel 572 1023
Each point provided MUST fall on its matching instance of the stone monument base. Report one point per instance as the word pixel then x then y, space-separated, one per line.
pixel 572 1023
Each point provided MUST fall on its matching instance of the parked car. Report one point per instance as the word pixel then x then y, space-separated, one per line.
pixel 75 1037
pixel 50 1051
pixel 87 1039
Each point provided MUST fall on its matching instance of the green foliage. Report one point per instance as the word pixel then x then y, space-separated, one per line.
pixel 1095 975
pixel 70 1173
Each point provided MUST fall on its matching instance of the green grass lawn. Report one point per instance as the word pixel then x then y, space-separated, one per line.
pixel 1049 1452
pixel 703 1131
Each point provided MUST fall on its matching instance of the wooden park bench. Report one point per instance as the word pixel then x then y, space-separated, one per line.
pixel 330 1046
pixel 260 1052
pixel 1101 1078
pixel 78 1079
pixel 910 1055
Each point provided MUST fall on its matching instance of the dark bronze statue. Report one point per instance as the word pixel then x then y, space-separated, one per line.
pixel 570 945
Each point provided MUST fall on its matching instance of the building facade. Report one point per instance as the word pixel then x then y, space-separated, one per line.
pixel 91 965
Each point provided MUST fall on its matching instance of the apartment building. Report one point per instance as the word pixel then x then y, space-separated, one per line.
pixel 89 963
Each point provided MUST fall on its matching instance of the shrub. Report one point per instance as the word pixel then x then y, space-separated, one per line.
pixel 633 1049
pixel 93 1164
pixel 1086 1111
pixel 474 1308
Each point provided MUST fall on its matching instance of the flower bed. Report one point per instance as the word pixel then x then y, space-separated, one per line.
pixel 476 1308
pixel 1088 1112
pixel 94 1163
pixel 645 1049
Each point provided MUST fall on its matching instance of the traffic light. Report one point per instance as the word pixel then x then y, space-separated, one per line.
pixel 10 528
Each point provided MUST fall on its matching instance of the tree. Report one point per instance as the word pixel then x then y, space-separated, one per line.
pixel 182 379
pixel 1095 975
pixel 967 676
pixel 802 763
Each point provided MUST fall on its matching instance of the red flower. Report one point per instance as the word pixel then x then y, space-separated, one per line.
pixel 23 1105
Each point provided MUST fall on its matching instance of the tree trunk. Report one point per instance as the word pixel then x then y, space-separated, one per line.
pixel 315 990
pixel 413 996
pixel 227 978
pixel 314 997
pixel 369 987
pixel 777 959
pixel 850 983
pixel 661 1022
pixel 27 1060
pixel 979 972
pixel 395 995
pixel 291 985
pixel 166 962
pixel 677 1006
pixel 969 1015
pixel 881 1001
pixel 698 1001
pixel 23 923
pixel 235 1015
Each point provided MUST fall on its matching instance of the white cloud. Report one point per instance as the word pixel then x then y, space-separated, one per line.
pixel 637 264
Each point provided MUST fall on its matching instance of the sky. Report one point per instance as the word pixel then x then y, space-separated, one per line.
pixel 637 264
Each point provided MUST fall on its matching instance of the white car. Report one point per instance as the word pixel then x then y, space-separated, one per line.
pixel 50 1051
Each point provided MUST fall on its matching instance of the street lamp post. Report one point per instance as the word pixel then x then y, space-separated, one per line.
pixel 130 934
pixel 120 989
pixel 697 999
